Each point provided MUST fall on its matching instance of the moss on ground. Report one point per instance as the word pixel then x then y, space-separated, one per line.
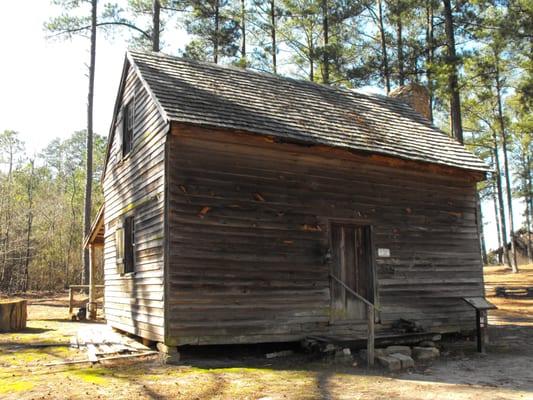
pixel 17 386
pixel 97 376
pixel 26 357
pixel 24 376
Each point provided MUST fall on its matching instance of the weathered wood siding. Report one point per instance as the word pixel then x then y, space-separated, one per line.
pixel 248 230
pixel 134 302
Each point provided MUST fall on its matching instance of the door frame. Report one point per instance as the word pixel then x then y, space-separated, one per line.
pixel 356 222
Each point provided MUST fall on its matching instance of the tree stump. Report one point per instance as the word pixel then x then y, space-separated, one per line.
pixel 13 315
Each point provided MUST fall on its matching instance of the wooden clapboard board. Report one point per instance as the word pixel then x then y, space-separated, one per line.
pixel 479 303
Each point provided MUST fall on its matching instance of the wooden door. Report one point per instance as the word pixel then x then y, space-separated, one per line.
pixel 351 262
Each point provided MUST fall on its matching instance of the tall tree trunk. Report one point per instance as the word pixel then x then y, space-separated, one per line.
pixel 9 196
pixel 243 31
pixel 89 168
pixel 455 99
pixel 273 35
pixel 497 216
pixel 384 56
pixel 507 171
pixel 216 38
pixel 72 230
pixel 529 201
pixel 430 50
pixel 527 189
pixel 501 206
pixel 156 15
pixel 311 56
pixel 325 28
pixel 25 280
pixel 481 230
pixel 399 30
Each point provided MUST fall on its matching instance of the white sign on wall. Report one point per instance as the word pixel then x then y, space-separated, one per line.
pixel 383 252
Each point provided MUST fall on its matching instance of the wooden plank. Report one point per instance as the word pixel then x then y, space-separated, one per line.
pixel 371 336
pixel 479 303
pixel 13 315
pixel 133 344
pixel 127 183
pixel 119 357
pixel 248 253
pixel 106 349
pixel 91 353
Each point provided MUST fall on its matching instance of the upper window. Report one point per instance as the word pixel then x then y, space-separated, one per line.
pixel 127 124
pixel 129 244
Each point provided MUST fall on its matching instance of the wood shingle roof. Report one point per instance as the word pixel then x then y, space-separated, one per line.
pixel 211 95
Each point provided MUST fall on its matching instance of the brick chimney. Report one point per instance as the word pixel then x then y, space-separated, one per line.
pixel 417 96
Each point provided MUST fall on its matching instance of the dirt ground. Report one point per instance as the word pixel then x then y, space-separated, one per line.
pixel 230 373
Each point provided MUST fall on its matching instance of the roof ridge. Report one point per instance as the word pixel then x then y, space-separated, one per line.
pixel 226 96
pixel 342 89
pixel 241 70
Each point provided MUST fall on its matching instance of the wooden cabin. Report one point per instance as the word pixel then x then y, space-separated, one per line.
pixel 523 244
pixel 244 207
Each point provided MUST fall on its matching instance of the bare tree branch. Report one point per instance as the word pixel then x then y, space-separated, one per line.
pixel 100 24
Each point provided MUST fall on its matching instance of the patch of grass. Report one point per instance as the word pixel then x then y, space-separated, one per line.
pixel 98 376
pixel 18 386
pixel 23 357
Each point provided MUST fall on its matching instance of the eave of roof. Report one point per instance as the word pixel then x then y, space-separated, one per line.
pixel 210 95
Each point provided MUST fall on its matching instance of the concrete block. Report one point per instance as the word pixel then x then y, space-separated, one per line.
pixel 283 353
pixel 380 352
pixel 377 353
pixel 344 355
pixel 309 345
pixel 169 355
pixel 398 349
pixel 391 363
pixel 426 343
pixel 425 353
pixel 406 361
pixel 330 348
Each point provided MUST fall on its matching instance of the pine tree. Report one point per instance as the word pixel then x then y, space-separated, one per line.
pixel 264 21
pixel 215 30
pixel 302 32
pixel 453 79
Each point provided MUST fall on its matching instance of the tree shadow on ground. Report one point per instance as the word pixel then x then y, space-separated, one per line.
pixel 221 371
pixel 32 330
pixel 504 366
pixel 85 321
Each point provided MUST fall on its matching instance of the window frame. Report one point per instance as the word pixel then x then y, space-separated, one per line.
pixel 128 123
pixel 129 245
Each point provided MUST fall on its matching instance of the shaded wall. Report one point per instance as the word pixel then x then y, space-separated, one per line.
pixel 248 223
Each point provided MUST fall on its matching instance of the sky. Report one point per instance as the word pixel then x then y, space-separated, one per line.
pixel 43 82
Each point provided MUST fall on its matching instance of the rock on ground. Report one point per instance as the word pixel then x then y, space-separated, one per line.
pixel 391 363
pixel 398 350
pixel 425 353
pixel 406 361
